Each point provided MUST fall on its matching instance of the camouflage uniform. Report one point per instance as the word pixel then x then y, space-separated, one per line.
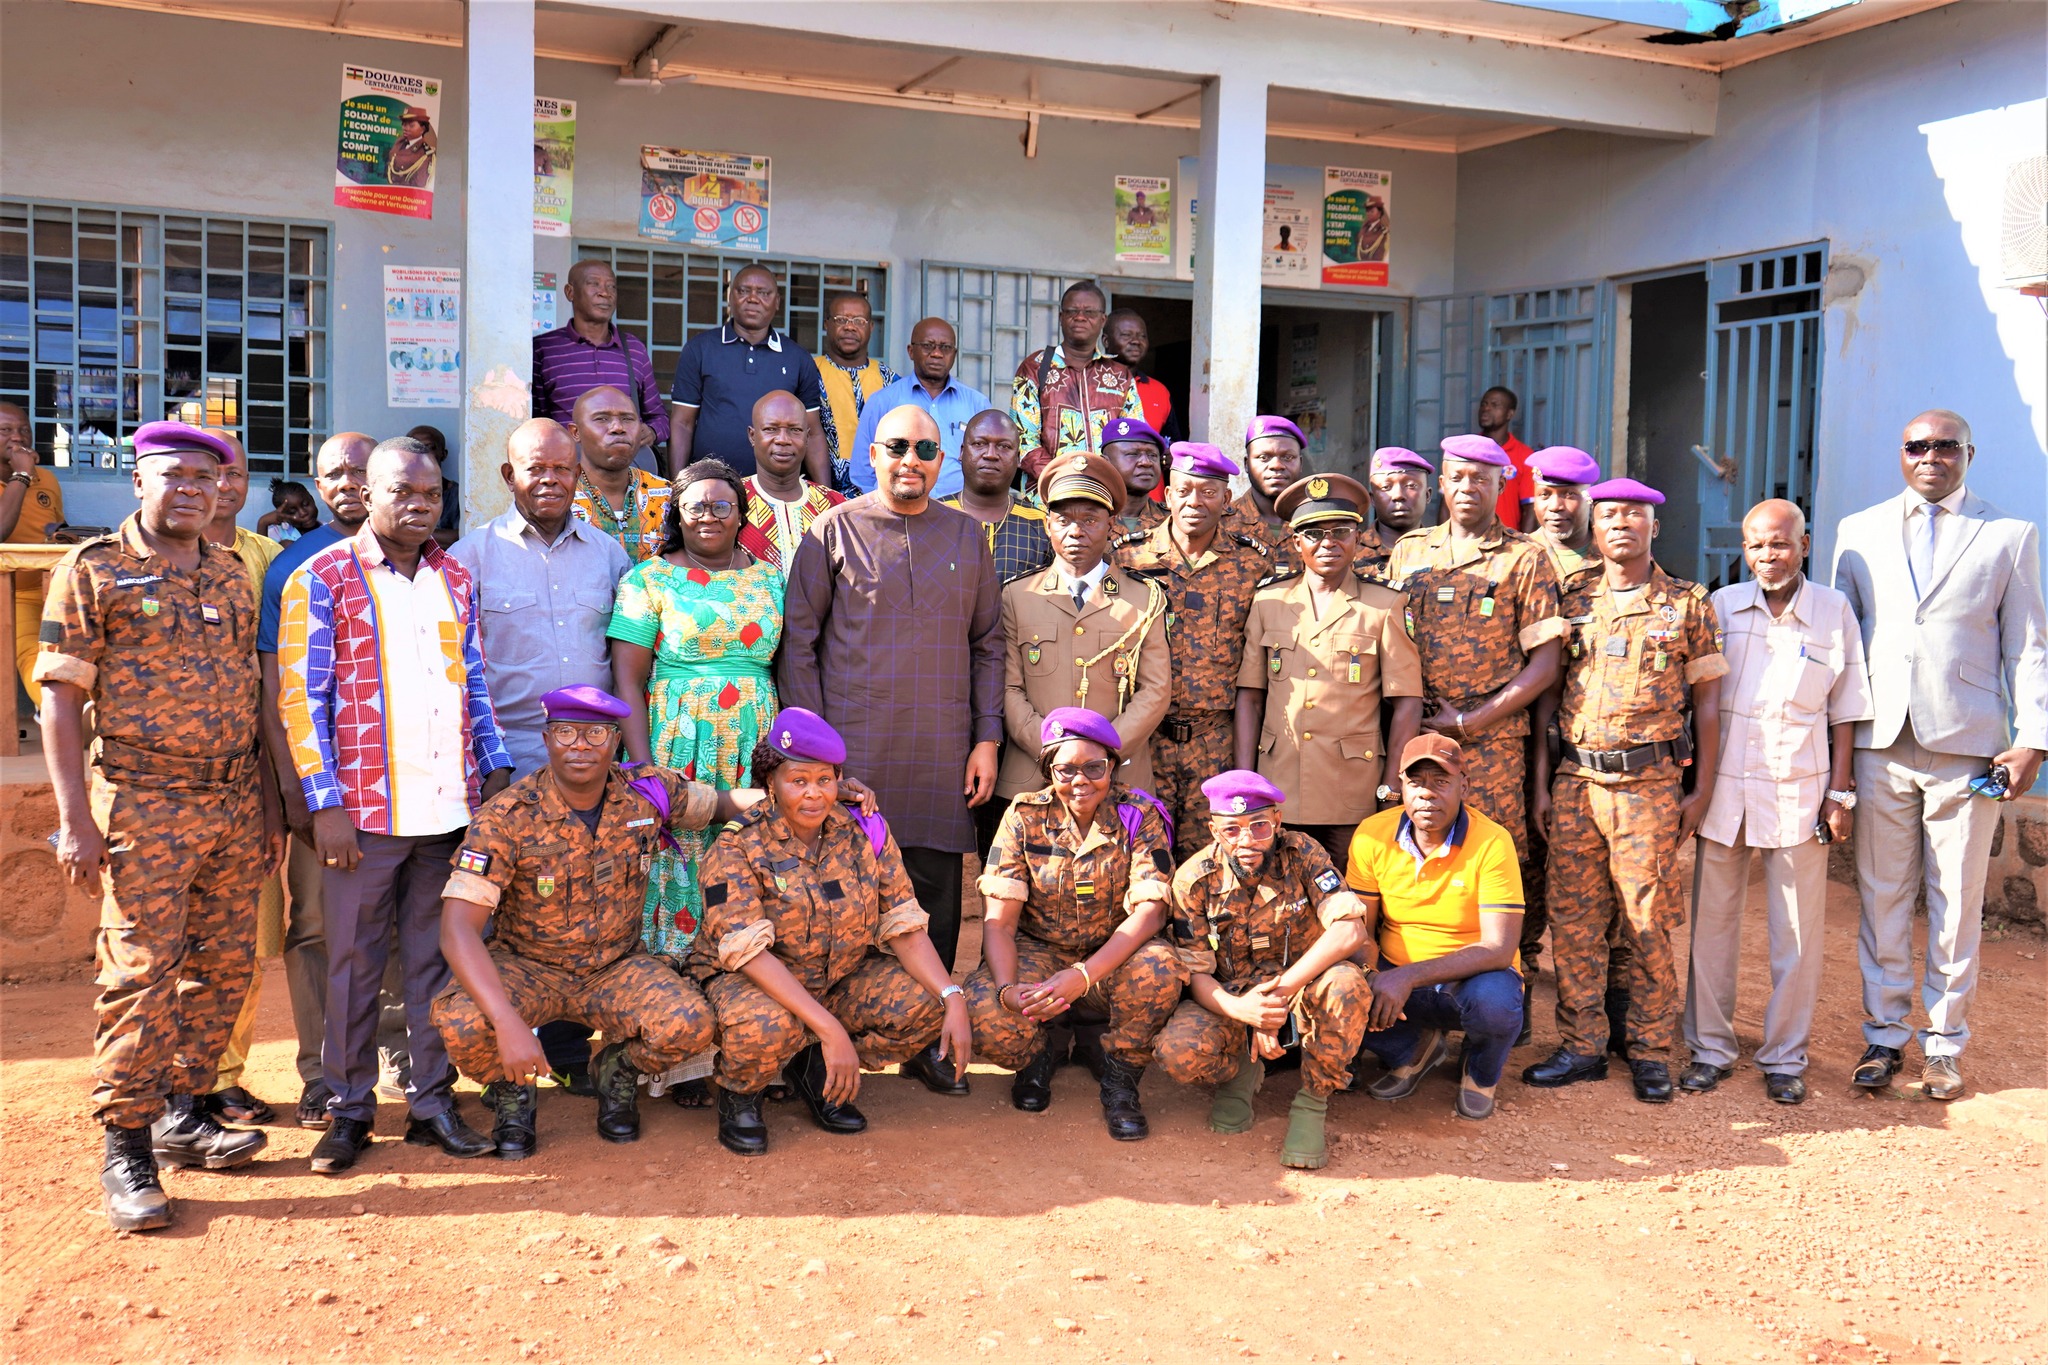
pixel 566 922
pixel 168 658
pixel 1630 664
pixel 1273 532
pixel 1207 601
pixel 831 917
pixel 1243 933
pixel 1139 517
pixel 1077 887
pixel 1575 569
pixel 1375 548
pixel 1475 615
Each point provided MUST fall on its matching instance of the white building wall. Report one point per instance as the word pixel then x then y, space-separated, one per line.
pixel 1891 144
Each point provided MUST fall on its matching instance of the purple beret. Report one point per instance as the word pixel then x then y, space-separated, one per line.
pixel 1478 449
pixel 1273 426
pixel 1131 429
pixel 804 737
pixel 1399 457
pixel 1625 490
pixel 175 438
pixel 1565 464
pixel 1203 460
pixel 1063 723
pixel 583 703
pixel 1240 790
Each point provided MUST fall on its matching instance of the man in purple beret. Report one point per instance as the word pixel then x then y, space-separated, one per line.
pixel 1638 703
pixel 1139 454
pixel 1209 573
pixel 1266 929
pixel 157 628
pixel 558 866
pixel 1399 484
pixel 1272 461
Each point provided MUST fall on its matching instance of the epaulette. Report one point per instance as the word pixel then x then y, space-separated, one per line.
pixel 1027 573
pixel 530 794
pixel 1418 531
pixel 1129 538
pixel 1042 797
pixel 1695 591
pixel 1281 577
pixel 1252 543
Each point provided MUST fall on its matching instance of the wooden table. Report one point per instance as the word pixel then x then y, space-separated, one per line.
pixel 23 559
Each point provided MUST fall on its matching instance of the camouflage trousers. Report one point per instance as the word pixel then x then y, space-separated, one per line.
pixel 1180 768
pixel 1497 782
pixel 177 936
pixel 1613 858
pixel 1200 1048
pixel 1136 998
pixel 882 1008
pixel 661 1017
pixel 1536 916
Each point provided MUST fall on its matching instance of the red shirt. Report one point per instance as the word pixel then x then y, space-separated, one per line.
pixel 1520 486
pixel 1158 402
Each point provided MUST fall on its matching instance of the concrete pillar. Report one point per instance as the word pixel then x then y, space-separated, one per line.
pixel 1231 204
pixel 497 275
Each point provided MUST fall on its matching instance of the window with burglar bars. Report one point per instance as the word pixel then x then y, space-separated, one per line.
pixel 999 315
pixel 113 317
pixel 668 295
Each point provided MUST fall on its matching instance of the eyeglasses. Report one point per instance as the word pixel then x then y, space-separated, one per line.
pixel 706 509
pixel 1316 535
pixel 1918 448
pixel 934 347
pixel 901 446
pixel 1251 829
pixel 1094 770
pixel 570 735
pixel 1081 312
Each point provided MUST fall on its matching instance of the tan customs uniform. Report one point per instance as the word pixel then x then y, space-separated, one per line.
pixel 566 923
pixel 1630 662
pixel 1475 613
pixel 1109 654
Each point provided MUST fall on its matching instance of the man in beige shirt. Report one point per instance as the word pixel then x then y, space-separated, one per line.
pixel 1796 687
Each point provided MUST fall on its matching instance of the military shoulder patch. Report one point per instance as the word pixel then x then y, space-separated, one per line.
pixel 1129 538
pixel 1281 577
pixel 1163 861
pixel 1327 881
pixel 50 632
pixel 473 860
pixel 1252 543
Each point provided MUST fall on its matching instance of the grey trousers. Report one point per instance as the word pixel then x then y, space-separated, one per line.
pixel 397 885
pixel 1919 824
pixel 305 967
pixel 1795 908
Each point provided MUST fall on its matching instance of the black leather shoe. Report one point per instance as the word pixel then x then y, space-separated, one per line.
pixel 806 1075
pixel 339 1147
pixel 513 1132
pixel 936 1072
pixel 1652 1081
pixel 1700 1077
pixel 1877 1066
pixel 1031 1090
pixel 1120 1109
pixel 740 1130
pixel 1528 991
pixel 1564 1068
pixel 188 1135
pixel 1785 1089
pixel 1617 1023
pixel 135 1199
pixel 449 1133
pixel 618 1095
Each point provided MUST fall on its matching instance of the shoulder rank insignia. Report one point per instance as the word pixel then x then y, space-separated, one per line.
pixel 1283 576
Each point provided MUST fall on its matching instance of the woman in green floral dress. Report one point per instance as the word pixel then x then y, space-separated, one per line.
pixel 693 632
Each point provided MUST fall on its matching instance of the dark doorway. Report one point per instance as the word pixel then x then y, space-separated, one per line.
pixel 1667 388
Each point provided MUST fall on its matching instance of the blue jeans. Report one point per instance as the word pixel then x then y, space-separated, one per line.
pixel 1486 1008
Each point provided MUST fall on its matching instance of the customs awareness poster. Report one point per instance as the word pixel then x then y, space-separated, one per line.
pixel 554 165
pixel 387 142
pixel 709 199
pixel 1357 225
pixel 1144 220
pixel 422 336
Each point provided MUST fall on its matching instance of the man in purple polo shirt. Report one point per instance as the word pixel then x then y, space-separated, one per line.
pixel 589 352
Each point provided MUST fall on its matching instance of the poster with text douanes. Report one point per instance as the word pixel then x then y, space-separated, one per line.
pixel 1358 225
pixel 388 142
pixel 711 199
pixel 554 165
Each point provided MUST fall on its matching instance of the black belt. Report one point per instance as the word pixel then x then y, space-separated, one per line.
pixel 132 759
pixel 1181 728
pixel 1622 760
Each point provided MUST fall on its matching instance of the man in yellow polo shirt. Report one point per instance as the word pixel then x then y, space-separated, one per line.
pixel 1444 890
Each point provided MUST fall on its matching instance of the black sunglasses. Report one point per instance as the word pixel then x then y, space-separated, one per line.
pixel 1943 447
pixel 901 446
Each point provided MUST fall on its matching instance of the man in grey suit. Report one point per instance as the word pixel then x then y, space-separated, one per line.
pixel 1947 591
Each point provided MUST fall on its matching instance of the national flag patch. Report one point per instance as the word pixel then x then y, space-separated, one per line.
pixel 473 860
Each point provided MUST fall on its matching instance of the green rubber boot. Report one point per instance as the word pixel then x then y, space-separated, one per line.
pixel 1304 1149
pixel 1232 1110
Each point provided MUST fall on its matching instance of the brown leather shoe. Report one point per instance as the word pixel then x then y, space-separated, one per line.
pixel 1941 1079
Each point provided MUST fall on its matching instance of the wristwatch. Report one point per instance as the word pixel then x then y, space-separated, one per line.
pixel 21 476
pixel 1846 800
pixel 1386 793
pixel 950 991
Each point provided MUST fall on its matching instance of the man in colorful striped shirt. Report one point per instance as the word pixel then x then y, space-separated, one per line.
pixel 395 743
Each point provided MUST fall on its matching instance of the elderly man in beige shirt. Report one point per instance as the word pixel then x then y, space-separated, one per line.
pixel 1796 686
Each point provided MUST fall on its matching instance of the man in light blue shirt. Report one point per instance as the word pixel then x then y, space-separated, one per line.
pixel 931 386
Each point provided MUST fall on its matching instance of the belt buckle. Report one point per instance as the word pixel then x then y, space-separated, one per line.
pixel 1609 761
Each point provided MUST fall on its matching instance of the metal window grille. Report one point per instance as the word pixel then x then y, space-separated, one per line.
pixel 999 316
pixel 668 295
pixel 1547 345
pixel 111 317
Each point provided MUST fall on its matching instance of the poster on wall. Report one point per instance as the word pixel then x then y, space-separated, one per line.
pixel 388 142
pixel 545 283
pixel 1357 225
pixel 554 165
pixel 709 199
pixel 1294 202
pixel 422 336
pixel 1144 220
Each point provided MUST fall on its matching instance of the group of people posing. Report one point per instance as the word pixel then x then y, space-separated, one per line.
pixel 694 764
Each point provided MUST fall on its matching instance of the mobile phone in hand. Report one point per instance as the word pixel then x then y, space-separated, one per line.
pixel 1995 783
pixel 1821 833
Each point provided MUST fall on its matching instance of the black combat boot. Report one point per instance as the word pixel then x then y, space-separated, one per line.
pixel 1120 1100
pixel 514 1131
pixel 136 1200
pixel 806 1075
pixel 187 1135
pixel 618 1095
pixel 1031 1088
pixel 740 1130
pixel 1617 1022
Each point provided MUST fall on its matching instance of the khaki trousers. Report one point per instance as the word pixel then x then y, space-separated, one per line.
pixel 1795 908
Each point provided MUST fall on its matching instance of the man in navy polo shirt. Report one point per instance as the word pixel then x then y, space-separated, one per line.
pixel 722 373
